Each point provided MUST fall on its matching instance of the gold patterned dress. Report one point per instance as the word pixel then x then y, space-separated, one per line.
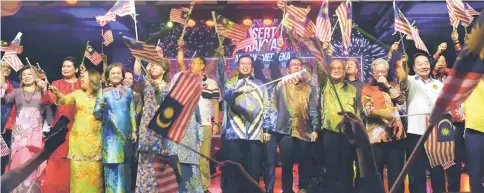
pixel 84 145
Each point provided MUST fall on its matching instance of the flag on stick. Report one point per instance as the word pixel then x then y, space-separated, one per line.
pixel 179 15
pixel 172 118
pixel 11 50
pixel 121 8
pixel 142 50
pixel 403 25
pixel 323 25
pixel 92 55
pixel 458 10
pixel 107 36
pixel 249 41
pixel 465 74
pixel 345 20
pixel 229 29
pixel 454 21
pixel 440 146
pixel 296 20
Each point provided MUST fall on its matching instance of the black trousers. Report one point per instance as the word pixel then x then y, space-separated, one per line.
pixel 339 155
pixel 270 161
pixel 249 155
pixel 392 155
pixel 295 150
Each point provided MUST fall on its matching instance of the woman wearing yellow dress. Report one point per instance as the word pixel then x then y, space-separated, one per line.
pixel 85 137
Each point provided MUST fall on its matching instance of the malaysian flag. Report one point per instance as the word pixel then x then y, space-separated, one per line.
pixel 11 50
pixel 454 21
pixel 403 25
pixel 121 8
pixel 174 114
pixel 244 43
pixel 345 19
pixel 107 36
pixel 229 29
pixel 167 173
pixel 92 55
pixel 471 11
pixel 458 10
pixel 5 150
pixel 142 50
pixel 465 74
pixel 159 49
pixel 315 48
pixel 296 20
pixel 179 15
pixel 323 25
pixel 440 146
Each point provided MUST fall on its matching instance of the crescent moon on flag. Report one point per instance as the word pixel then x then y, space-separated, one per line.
pixel 162 124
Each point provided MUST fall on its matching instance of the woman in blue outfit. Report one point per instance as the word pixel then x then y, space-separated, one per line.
pixel 115 106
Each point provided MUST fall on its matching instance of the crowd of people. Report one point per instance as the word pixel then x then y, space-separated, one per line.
pixel 327 128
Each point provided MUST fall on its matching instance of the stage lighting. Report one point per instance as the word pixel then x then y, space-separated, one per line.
pixel 267 22
pixel 247 22
pixel 169 24
pixel 71 2
pixel 210 23
pixel 191 23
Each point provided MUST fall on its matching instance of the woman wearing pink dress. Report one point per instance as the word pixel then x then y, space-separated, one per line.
pixel 27 131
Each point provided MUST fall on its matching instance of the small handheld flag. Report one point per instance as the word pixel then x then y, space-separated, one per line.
pixel 92 54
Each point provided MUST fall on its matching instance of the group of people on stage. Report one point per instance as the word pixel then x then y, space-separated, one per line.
pixel 109 147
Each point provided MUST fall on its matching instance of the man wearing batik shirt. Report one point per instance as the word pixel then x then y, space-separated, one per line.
pixel 244 127
pixel 296 124
pixel 384 127
pixel 338 153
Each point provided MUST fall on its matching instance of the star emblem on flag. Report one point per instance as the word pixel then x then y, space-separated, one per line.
pixel 475 42
pixel 325 10
pixel 89 49
pixel 4 43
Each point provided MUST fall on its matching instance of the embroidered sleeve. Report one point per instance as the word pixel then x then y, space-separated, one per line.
pixel 367 103
pixel 397 95
pixel 67 99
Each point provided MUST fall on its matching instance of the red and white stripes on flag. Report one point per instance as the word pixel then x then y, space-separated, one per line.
pixel 419 44
pixel 249 41
pixel 440 153
pixel 165 176
pixel 471 11
pixel 345 19
pixel 454 21
pixel 121 8
pixel 186 91
pixel 178 15
pixel 4 148
pixel 11 58
pixel 403 25
pixel 458 10
pixel 229 29
pixel 323 25
pixel 296 20
pixel 108 37
pixel 92 55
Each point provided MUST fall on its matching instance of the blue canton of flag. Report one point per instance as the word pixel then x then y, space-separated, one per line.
pixel 446 130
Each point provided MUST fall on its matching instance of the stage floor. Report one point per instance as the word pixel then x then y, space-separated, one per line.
pixel 215 185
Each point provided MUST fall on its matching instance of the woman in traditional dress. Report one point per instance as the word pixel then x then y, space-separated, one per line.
pixel 115 106
pixel 57 171
pixel 150 144
pixel 85 140
pixel 27 131
pixel 128 81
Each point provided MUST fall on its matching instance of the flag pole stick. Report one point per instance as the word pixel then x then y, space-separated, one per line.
pixel 403 45
pixel 416 152
pixel 465 28
pixel 84 56
pixel 186 21
pixel 102 43
pixel 134 18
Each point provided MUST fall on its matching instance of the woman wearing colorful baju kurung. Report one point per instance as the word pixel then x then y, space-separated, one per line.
pixel 150 143
pixel 27 131
pixel 115 106
pixel 57 171
pixel 85 137
pixel 191 181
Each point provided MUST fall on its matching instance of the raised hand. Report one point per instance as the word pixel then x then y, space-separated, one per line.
pixel 455 36
pixel 181 43
pixel 442 47
pixel 41 84
pixel 394 47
